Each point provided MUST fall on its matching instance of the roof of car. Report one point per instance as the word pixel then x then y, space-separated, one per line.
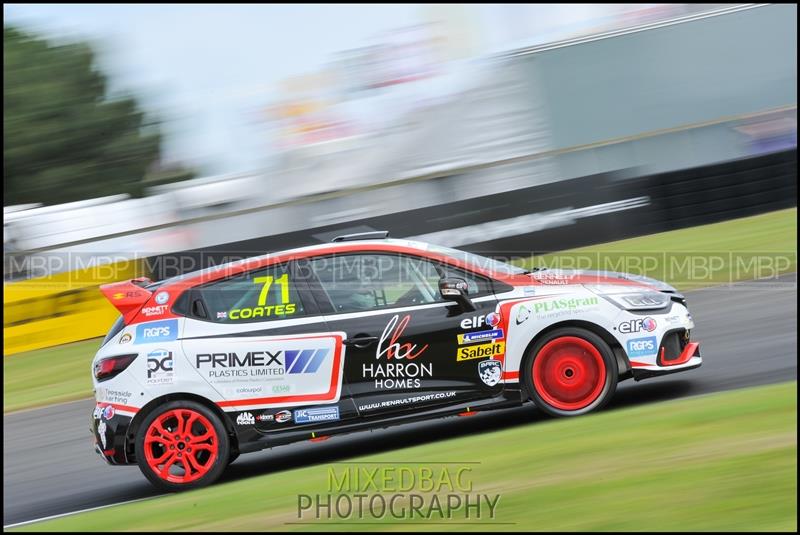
pixel 301 251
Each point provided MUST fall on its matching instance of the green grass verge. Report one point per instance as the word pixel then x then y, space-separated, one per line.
pixel 772 236
pixel 48 376
pixel 725 461
pixel 761 246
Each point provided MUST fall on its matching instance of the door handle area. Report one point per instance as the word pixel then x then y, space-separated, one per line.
pixel 360 341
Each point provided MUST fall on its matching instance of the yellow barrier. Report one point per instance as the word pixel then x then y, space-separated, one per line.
pixel 62 308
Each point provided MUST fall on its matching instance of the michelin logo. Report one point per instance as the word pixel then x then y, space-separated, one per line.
pixel 480 336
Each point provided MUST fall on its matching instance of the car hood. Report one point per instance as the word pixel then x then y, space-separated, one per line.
pixel 562 277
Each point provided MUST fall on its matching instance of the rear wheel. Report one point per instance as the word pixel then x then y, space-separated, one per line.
pixel 182 445
pixel 571 371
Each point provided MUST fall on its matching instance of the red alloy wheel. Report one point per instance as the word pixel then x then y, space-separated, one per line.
pixel 181 446
pixel 569 373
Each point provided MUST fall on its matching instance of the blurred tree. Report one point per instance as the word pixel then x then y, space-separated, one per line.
pixel 63 140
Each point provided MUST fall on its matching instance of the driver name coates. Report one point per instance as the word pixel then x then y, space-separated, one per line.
pixel 394 374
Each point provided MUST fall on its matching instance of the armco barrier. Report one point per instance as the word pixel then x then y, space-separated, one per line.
pixel 62 308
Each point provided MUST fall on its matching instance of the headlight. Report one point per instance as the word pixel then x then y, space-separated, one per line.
pixel 632 300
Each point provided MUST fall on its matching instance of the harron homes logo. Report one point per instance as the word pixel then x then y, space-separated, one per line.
pixel 397 371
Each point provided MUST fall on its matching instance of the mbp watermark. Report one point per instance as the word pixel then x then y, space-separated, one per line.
pixel 398 492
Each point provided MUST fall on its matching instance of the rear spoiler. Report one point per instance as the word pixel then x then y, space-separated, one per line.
pixel 128 296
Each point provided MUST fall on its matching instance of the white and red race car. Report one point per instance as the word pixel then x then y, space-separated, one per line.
pixel 363 332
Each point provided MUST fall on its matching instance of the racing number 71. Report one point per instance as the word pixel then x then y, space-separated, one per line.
pixel 267 281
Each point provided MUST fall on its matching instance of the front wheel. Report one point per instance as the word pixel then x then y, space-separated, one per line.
pixel 570 371
pixel 182 445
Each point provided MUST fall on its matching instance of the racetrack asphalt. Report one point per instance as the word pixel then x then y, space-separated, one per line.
pixel 748 335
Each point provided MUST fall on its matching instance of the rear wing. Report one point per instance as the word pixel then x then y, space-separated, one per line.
pixel 128 296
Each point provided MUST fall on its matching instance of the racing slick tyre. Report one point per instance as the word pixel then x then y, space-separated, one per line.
pixel 570 371
pixel 182 445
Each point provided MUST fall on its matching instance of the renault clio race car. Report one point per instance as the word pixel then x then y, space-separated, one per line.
pixel 364 332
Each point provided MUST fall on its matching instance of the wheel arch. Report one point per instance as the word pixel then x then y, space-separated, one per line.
pixel 133 428
pixel 623 364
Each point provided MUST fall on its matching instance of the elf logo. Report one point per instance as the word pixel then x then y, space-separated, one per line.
pixel 635 326
pixel 492 319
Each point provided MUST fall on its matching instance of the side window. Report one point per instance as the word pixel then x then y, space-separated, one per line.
pixel 264 295
pixel 476 284
pixel 358 282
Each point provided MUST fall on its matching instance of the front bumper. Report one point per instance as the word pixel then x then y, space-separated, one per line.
pixel 669 362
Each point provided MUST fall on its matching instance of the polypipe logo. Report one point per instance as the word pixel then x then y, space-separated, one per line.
pixel 159 367
pixel 395 350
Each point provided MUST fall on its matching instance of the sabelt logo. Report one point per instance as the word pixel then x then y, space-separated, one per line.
pixel 480 351
pixel 283 417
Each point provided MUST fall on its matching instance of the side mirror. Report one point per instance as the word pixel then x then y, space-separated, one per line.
pixel 455 289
